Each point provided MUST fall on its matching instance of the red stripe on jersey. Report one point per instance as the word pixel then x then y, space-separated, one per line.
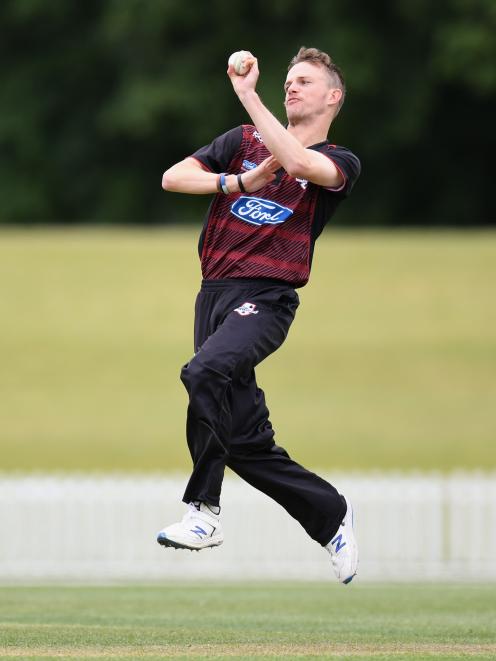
pixel 234 255
pixel 231 247
pixel 243 227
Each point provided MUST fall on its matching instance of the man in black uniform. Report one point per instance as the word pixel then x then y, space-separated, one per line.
pixel 274 190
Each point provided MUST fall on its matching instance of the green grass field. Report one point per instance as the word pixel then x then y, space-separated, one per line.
pixel 390 364
pixel 249 621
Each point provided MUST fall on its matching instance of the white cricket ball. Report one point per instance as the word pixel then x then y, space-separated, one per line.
pixel 239 62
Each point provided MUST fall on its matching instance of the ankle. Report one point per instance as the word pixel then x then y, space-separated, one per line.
pixel 213 509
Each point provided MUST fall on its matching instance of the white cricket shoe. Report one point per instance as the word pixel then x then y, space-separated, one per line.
pixel 343 548
pixel 199 529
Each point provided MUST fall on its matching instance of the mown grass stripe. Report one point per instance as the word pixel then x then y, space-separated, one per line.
pixel 250 650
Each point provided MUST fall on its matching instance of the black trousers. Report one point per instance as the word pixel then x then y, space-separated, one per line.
pixel 238 323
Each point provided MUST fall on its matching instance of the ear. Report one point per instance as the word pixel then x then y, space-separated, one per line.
pixel 334 96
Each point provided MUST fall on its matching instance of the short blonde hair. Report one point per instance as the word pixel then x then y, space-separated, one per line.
pixel 318 57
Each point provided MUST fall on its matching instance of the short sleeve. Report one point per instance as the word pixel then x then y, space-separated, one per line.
pixel 347 163
pixel 217 156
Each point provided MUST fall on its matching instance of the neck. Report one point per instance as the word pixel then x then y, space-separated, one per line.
pixel 309 134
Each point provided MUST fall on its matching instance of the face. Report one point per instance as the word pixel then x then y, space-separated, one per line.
pixel 308 92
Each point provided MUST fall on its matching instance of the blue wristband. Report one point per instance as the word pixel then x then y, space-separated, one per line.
pixel 222 183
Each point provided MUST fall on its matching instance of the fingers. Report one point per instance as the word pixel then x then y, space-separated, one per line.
pixel 251 65
pixel 261 175
pixel 267 161
pixel 270 163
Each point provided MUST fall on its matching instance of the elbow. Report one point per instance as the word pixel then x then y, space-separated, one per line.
pixel 297 169
pixel 167 181
pixel 170 179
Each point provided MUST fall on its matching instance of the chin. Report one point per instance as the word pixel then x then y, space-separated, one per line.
pixel 293 117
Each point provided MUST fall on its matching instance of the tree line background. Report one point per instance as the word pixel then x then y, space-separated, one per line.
pixel 98 98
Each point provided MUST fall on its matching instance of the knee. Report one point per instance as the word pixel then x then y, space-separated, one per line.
pixel 201 371
pixel 191 372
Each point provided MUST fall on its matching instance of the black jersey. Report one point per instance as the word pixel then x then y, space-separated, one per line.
pixel 270 233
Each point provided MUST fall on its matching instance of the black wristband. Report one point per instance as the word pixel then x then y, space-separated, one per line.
pixel 240 183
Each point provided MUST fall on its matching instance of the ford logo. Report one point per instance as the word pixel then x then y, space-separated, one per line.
pixel 257 211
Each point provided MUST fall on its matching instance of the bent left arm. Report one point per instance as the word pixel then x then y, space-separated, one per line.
pixel 298 161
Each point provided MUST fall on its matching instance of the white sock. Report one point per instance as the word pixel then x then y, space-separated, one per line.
pixel 215 509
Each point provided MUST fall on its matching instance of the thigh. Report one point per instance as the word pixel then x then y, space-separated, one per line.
pixel 246 336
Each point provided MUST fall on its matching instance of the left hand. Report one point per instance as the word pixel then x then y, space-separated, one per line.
pixel 248 82
pixel 262 175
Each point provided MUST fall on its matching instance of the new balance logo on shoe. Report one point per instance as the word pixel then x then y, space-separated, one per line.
pixel 199 531
pixel 339 543
pixel 343 548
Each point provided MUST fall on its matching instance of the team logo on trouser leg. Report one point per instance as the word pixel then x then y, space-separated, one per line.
pixel 246 308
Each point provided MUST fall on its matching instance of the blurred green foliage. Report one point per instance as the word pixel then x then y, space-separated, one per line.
pixel 98 98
